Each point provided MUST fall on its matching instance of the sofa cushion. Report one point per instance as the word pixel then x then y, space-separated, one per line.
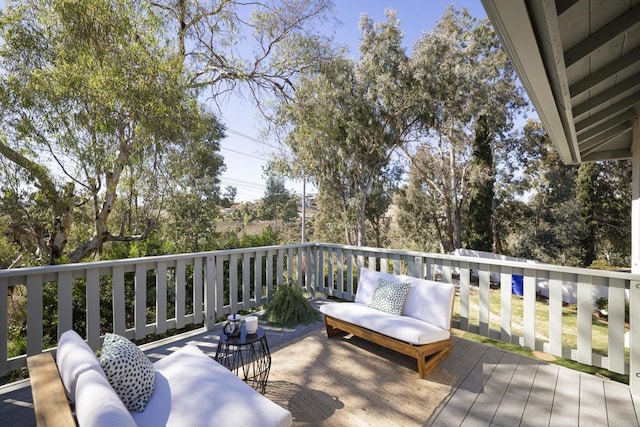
pixel 390 296
pixel 430 301
pixel 128 370
pixel 427 300
pixel 97 404
pixel 192 389
pixel 367 284
pixel 403 328
pixel 73 357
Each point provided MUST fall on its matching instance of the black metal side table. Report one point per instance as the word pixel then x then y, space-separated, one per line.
pixel 248 356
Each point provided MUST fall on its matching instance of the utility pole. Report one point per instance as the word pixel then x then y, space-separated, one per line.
pixel 304 204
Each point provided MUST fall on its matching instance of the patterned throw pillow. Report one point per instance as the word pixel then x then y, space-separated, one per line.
pixel 128 370
pixel 390 297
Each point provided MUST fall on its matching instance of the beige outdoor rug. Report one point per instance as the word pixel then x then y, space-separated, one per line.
pixel 351 382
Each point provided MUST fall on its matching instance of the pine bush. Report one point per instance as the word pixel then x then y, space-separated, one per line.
pixel 289 308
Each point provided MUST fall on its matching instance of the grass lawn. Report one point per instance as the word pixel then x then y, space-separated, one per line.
pixel 569 330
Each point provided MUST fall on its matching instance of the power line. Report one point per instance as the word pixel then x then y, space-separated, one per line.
pixel 244 135
pixel 244 154
pixel 243 183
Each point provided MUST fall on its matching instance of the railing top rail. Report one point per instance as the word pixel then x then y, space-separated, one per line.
pixel 490 261
pixel 132 261
pixel 362 249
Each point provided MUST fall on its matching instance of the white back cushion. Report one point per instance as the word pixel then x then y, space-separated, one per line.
pixel 98 405
pixel 73 357
pixel 430 301
pixel 427 300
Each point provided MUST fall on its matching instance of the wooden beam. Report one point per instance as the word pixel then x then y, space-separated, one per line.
pixel 605 34
pixel 616 108
pixel 621 121
pixel 607 95
pixel 611 69
pixel 563 5
pixel 603 139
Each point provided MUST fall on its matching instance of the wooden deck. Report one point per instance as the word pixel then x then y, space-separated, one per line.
pixel 494 387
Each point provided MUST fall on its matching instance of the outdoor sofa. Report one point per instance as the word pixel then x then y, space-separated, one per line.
pixel 189 389
pixel 409 315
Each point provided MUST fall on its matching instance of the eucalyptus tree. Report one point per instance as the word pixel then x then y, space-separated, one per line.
pixel 94 108
pixel 279 203
pixel 258 48
pixel 461 72
pixel 603 199
pixel 548 232
pixel 345 122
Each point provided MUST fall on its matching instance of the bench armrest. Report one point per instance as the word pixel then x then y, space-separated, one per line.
pixel 49 399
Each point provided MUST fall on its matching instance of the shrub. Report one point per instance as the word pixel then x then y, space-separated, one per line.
pixel 289 307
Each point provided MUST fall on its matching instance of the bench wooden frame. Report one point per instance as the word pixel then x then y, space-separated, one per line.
pixel 50 402
pixel 435 351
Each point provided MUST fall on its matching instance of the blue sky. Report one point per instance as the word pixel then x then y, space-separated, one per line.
pixel 246 153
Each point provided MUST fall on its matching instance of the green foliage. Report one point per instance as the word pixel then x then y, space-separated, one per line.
pixel 479 234
pixel 91 89
pixel 346 120
pixel 289 308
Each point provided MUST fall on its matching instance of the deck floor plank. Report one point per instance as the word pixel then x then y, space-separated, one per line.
pixel 486 404
pixel 566 401
pixel 592 401
pixel 537 411
pixel 464 396
pixel 620 405
pixel 511 407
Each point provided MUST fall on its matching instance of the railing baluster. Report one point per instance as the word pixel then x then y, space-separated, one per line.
pixel 331 283
pixel 529 315
pixel 616 319
pixel 233 283
pixel 464 300
pixel 93 307
pixel 506 296
pixel 300 260
pixel 290 262
pixel 257 278
pixel 555 313
pixel 140 286
pixel 4 324
pixel 34 314
pixel 197 290
pixel 246 281
pixel 585 316
pixel 483 277
pixel 447 275
pixel 319 270
pixel 65 302
pixel 340 265
pixel 350 290
pixel 280 280
pixel 269 276
pixel 219 283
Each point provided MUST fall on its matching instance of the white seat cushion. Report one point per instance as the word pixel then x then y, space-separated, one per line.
pixel 403 328
pixel 191 389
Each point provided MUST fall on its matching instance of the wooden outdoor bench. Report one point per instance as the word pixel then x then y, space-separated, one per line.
pixel 422 331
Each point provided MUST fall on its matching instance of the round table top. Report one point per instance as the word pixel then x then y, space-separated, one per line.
pixel 243 338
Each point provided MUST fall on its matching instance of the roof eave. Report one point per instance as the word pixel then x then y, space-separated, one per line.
pixel 512 22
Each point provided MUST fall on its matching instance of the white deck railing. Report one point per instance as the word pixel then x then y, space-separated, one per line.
pixel 205 287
